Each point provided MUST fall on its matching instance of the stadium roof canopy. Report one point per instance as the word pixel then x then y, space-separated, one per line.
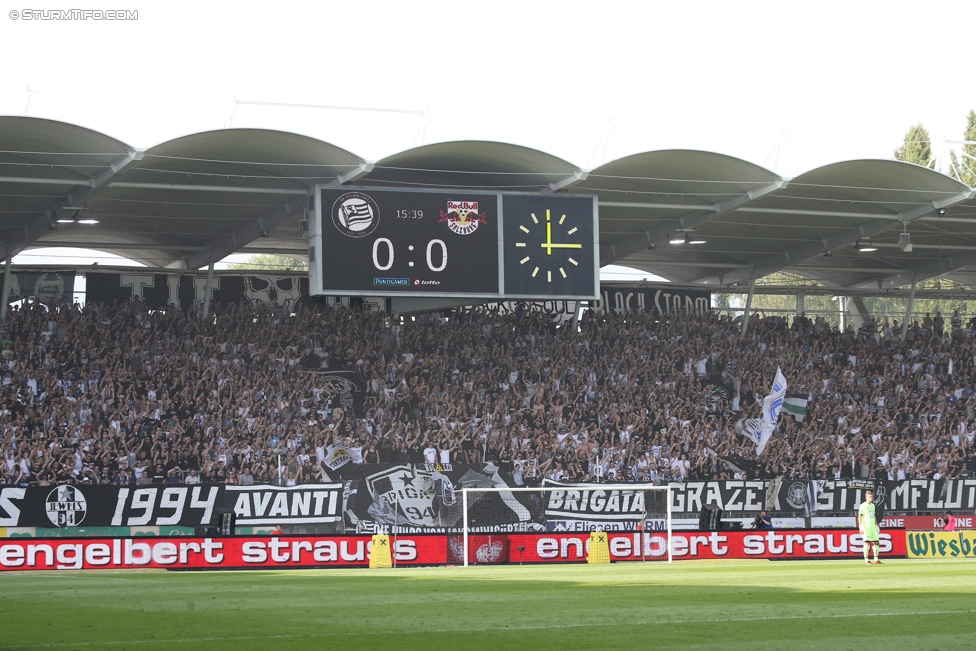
pixel 194 200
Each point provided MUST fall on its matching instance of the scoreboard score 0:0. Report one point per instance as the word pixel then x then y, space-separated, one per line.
pixel 453 243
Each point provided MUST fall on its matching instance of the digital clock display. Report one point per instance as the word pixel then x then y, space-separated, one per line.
pixel 463 243
pixel 408 243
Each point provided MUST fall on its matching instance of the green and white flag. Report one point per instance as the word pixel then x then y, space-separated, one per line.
pixel 796 406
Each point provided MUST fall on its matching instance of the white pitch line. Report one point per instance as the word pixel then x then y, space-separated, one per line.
pixel 495 628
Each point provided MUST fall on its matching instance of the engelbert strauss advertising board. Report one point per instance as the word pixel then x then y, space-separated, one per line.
pixel 284 552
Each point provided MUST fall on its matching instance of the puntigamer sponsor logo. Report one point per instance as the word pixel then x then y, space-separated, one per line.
pixel 942 544
pixel 397 282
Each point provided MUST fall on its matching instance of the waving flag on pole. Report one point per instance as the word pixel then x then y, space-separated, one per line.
pixel 770 412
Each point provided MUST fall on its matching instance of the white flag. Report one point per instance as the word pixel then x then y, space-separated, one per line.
pixel 336 456
pixel 950 367
pixel 770 412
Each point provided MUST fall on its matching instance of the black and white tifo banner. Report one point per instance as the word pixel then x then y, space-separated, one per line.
pixel 427 497
pixel 663 300
pixel 45 287
pixel 166 504
pixel 588 507
pixel 158 291
pixel 805 497
pixel 593 504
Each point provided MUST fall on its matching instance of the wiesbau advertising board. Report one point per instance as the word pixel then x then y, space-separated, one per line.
pixel 941 544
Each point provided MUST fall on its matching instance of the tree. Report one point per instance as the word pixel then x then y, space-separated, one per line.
pixel 965 169
pixel 272 263
pixel 917 147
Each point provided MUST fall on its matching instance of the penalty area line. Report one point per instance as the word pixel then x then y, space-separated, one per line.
pixel 244 638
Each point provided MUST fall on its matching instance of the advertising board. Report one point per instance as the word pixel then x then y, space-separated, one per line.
pixel 243 552
pixel 705 545
pixel 941 544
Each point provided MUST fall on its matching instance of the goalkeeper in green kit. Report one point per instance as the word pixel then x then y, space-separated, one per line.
pixel 867 524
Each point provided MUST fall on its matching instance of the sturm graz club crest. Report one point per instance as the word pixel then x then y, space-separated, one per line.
pixel 796 495
pixel 463 217
pixel 66 506
pixel 880 493
pixel 355 214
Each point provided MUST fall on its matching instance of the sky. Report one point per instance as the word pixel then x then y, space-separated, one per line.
pixel 789 86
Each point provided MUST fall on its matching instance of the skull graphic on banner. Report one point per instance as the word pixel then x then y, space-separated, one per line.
pixel 280 290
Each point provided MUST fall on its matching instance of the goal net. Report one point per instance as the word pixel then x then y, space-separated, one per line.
pixel 553 523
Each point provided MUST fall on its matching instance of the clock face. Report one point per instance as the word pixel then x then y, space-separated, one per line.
pixel 550 246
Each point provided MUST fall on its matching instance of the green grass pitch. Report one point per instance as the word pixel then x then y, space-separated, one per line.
pixel 787 606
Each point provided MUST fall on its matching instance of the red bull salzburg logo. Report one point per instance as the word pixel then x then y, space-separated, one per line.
pixel 463 217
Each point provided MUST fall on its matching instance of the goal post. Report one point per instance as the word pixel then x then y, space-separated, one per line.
pixel 641 511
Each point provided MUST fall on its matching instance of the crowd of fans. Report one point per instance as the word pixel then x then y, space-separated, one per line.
pixel 126 395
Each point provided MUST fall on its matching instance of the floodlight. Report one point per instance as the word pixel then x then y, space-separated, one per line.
pixel 865 248
pixel 905 242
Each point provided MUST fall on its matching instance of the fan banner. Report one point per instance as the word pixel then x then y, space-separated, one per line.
pixel 44 287
pixel 158 291
pixel 168 504
pixel 795 495
pixel 417 498
pixel 590 507
pixel 278 552
pixel 623 300
pixel 427 498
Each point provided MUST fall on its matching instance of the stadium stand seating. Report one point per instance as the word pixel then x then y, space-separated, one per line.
pixel 121 394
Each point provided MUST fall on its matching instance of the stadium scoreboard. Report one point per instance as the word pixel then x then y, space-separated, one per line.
pixel 453 243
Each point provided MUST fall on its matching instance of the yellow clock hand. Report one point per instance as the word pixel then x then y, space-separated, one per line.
pixel 561 246
pixel 549 246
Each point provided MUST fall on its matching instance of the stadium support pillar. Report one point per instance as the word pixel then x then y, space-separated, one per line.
pixel 908 310
pixel 6 289
pixel 206 291
pixel 858 311
pixel 575 323
pixel 800 303
pixel 746 314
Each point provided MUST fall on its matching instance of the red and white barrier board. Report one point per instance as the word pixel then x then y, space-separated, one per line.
pixel 282 552
pixel 212 553
pixel 704 545
pixel 926 522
